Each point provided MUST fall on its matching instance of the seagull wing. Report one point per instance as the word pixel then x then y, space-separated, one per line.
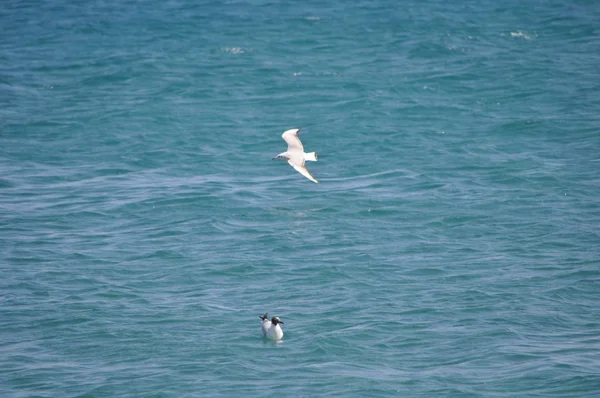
pixel 302 170
pixel 291 137
pixel 265 326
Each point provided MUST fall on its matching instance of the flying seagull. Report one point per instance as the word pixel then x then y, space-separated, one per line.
pixel 295 154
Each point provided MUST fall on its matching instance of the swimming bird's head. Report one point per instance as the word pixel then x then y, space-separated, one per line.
pixel 276 320
pixel 264 317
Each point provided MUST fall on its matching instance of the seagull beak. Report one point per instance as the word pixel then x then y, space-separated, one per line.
pixel 281 322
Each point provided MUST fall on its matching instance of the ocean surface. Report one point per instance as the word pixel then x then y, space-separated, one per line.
pixel 450 249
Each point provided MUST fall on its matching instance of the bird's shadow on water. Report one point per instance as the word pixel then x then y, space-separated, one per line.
pixel 273 343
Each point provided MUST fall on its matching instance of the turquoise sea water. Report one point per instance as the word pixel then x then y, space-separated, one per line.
pixel 452 247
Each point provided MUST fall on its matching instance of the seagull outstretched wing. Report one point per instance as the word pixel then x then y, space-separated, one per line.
pixel 291 137
pixel 302 170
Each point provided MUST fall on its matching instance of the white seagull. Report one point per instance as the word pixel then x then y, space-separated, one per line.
pixel 271 329
pixel 295 154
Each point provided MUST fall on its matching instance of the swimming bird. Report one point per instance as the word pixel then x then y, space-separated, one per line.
pixel 271 329
pixel 295 154
pixel 266 323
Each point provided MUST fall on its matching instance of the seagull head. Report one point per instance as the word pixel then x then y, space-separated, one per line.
pixel 276 320
pixel 264 317
pixel 292 131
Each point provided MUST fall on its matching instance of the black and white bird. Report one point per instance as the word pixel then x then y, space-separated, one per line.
pixel 271 329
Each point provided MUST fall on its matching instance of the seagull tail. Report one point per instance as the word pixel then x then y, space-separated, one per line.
pixel 312 156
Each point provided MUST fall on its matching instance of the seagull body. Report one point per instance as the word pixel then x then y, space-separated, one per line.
pixel 295 154
pixel 271 329
pixel 275 332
